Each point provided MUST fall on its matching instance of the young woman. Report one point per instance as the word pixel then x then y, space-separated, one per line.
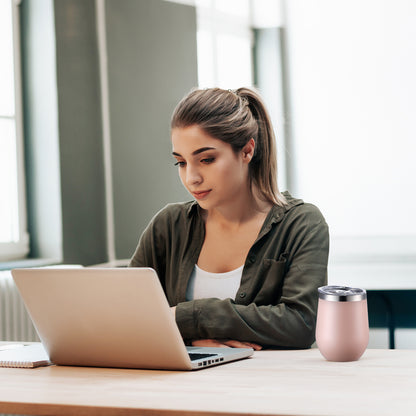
pixel 242 262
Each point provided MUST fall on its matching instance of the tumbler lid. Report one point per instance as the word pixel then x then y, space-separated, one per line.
pixel 341 293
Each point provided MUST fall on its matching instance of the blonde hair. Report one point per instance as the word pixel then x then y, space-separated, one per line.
pixel 235 117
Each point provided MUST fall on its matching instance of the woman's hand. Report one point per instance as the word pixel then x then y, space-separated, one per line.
pixel 230 343
pixel 225 343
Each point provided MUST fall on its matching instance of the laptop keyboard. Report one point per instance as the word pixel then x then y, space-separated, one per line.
pixel 198 355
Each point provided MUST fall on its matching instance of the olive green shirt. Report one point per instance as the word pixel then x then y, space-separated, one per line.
pixel 276 303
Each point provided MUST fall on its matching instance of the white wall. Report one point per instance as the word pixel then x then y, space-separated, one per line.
pixel 353 103
pixel 353 91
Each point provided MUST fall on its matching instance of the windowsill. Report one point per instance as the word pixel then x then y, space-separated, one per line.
pixel 16 264
pixel 42 262
pixel 374 275
pixel 114 263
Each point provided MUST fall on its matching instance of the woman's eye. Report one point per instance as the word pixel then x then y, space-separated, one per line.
pixel 180 164
pixel 208 160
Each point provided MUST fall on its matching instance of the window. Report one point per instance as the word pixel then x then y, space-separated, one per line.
pixel 224 39
pixel 13 236
pixel 353 89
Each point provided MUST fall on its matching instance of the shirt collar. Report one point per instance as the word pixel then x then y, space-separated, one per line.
pixel 277 213
pixel 192 208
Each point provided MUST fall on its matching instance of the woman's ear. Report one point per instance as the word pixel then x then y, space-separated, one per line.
pixel 248 150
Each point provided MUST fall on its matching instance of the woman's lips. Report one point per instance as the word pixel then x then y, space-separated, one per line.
pixel 201 194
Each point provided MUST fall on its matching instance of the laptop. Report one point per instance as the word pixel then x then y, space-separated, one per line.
pixel 110 317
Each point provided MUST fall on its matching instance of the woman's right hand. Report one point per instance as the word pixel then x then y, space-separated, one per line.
pixel 230 343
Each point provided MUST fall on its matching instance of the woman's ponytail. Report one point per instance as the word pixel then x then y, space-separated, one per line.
pixel 264 168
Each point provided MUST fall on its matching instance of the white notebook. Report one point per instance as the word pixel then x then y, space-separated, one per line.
pixel 23 356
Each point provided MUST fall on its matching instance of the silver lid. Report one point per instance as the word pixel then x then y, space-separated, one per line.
pixel 341 293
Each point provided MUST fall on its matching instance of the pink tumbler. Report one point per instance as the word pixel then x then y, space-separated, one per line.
pixel 342 323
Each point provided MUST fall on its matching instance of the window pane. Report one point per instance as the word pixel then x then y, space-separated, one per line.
pixel 234 7
pixel 353 103
pixel 8 183
pixel 206 61
pixel 234 61
pixel 203 3
pixel 6 56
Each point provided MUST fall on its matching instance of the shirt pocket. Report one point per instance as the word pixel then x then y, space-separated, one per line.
pixel 271 279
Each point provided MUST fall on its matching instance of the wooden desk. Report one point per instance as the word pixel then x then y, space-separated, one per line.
pixel 383 382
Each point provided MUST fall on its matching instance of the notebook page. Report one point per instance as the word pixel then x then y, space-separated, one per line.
pixel 27 356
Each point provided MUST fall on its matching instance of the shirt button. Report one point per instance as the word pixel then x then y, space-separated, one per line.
pixel 242 294
pixel 251 258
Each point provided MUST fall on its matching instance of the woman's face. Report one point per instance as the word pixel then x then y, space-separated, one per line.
pixel 209 168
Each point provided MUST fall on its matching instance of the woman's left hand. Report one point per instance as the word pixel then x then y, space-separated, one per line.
pixel 231 343
pixel 225 343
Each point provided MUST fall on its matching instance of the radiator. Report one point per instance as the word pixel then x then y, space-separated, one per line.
pixel 15 323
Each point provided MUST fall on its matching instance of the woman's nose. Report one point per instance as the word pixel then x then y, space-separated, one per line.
pixel 193 176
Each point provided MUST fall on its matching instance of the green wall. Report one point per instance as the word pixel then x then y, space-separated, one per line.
pixel 80 134
pixel 152 64
pixel 151 46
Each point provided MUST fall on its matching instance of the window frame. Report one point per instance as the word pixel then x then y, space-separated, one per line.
pixel 19 249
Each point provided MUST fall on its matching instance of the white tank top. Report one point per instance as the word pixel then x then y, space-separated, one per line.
pixel 204 284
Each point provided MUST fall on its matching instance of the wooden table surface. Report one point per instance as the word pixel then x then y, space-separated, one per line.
pixel 382 382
